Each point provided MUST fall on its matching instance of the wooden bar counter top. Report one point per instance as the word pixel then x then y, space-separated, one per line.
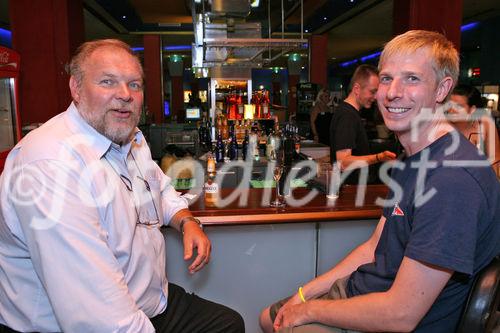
pixel 256 210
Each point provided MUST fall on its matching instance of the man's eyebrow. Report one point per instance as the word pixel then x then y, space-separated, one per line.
pixel 406 73
pixel 109 75
pixel 114 76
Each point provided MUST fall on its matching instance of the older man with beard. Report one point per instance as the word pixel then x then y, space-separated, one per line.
pixel 82 203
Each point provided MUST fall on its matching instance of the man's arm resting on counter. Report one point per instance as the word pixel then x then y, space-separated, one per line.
pixel 400 309
pixel 193 237
pixel 347 160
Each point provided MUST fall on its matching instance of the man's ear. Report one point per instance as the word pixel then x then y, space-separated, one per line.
pixel 75 90
pixel 356 87
pixel 444 87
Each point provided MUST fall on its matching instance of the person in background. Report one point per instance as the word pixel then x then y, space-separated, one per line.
pixel 321 115
pixel 469 117
pixel 439 226
pixel 82 203
pixel 348 139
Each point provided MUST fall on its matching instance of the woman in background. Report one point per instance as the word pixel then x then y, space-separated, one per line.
pixel 475 123
pixel 321 115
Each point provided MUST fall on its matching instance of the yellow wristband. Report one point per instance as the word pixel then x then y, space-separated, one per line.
pixel 301 295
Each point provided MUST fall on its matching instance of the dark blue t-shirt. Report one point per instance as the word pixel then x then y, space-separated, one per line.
pixel 448 216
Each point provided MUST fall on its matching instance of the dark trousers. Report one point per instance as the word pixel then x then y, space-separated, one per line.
pixel 188 313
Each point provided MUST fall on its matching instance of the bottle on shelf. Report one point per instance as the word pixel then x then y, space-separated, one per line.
pixel 258 107
pixel 201 134
pixel 266 114
pixel 208 135
pixel 233 145
pixel 297 140
pixel 219 149
pixel 288 144
pixel 241 107
pixel 225 129
pixel 211 188
pixel 270 154
pixel 245 146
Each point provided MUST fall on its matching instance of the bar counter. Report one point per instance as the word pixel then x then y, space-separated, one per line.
pixel 261 254
pixel 319 208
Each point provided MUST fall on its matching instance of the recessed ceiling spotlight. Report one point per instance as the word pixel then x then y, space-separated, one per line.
pixel 351 1
pixel 324 18
pixel 307 30
pixel 124 16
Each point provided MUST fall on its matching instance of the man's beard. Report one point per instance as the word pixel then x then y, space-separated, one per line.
pixel 118 135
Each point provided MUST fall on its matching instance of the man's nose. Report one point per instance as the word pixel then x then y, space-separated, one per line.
pixel 123 92
pixel 395 89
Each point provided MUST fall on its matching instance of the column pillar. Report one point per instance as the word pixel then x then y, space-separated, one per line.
pixel 276 87
pixel 318 63
pixel 176 70
pixel 45 33
pixel 444 16
pixel 153 72
pixel 294 67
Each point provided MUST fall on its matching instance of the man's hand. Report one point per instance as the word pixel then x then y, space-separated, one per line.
pixel 386 156
pixel 195 238
pixel 292 313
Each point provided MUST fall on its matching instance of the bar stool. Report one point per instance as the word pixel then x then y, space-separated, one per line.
pixel 482 312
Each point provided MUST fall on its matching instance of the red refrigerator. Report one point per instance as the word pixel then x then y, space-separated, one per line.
pixel 10 124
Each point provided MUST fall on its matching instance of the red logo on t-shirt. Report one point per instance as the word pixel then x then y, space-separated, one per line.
pixel 397 211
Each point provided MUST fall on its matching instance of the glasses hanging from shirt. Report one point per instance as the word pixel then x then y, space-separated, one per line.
pixel 144 216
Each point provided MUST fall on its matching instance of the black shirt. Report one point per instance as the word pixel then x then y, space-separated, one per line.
pixel 347 132
pixel 451 222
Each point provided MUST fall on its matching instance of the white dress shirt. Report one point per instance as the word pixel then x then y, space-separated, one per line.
pixel 72 256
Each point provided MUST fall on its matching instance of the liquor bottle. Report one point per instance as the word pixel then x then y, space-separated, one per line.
pixel 233 145
pixel 241 107
pixel 256 101
pixel 253 146
pixel 238 132
pixel 208 135
pixel 232 105
pixel 270 154
pixel 218 126
pixel 265 105
pixel 297 140
pixel 288 145
pixel 219 149
pixel 225 129
pixel 211 187
pixel 202 135
pixel 245 146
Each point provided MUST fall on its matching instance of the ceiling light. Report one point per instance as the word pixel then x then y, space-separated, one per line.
pixel 469 26
pixel 324 18
pixel 124 16
pixel 307 30
pixel 175 58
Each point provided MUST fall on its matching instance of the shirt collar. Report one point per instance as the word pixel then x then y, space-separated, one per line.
pixel 99 142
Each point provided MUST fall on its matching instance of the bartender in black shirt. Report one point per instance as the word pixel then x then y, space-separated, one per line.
pixel 348 140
